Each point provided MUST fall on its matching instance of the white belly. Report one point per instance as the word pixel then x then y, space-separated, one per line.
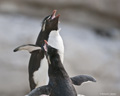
pixel 41 75
pixel 56 41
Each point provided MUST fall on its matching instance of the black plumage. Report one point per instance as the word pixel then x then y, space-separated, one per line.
pixel 49 23
pixel 60 84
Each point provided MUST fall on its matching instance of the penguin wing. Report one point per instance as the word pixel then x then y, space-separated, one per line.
pixel 40 91
pixel 29 47
pixel 78 80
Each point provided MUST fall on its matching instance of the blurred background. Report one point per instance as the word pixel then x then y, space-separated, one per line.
pixel 91 34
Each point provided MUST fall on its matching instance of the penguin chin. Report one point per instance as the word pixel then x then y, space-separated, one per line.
pixel 54 18
pixel 52 22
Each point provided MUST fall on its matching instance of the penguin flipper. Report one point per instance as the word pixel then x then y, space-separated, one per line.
pixel 78 80
pixel 29 47
pixel 40 91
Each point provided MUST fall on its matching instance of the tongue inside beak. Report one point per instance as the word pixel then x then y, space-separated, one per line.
pixel 54 13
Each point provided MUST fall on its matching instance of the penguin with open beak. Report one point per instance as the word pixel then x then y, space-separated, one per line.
pixel 38 67
pixel 38 64
pixel 60 84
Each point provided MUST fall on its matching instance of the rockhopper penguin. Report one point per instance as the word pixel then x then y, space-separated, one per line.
pixel 60 84
pixel 38 67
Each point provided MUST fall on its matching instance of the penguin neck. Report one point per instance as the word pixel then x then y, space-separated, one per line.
pixel 44 35
pixel 56 68
pixel 56 41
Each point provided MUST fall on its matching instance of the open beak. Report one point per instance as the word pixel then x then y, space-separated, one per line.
pixel 53 16
pixel 45 46
pixel 46 50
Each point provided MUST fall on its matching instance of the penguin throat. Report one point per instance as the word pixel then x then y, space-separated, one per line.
pixel 56 42
pixel 56 67
pixel 44 29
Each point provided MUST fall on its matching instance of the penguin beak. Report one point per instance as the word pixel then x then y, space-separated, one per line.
pixel 45 46
pixel 51 22
pixel 53 15
pixel 46 50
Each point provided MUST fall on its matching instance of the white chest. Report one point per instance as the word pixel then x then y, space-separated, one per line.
pixel 56 41
pixel 41 75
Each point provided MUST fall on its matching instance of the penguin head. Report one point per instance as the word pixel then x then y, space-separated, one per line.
pixel 50 22
pixel 49 51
